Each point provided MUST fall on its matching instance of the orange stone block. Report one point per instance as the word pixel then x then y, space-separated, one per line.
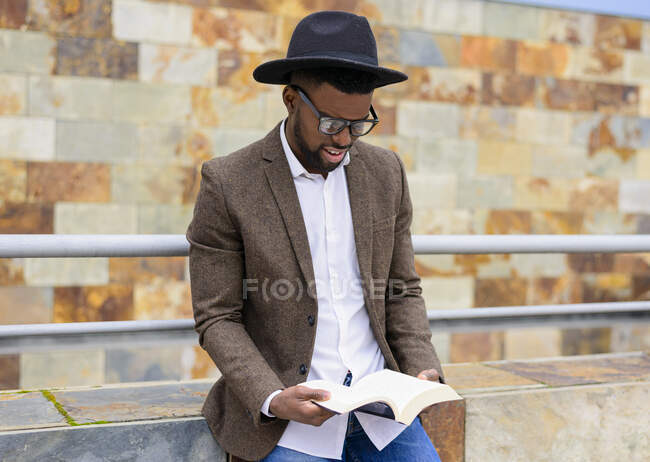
pixel 163 299
pixel 68 181
pixel 476 346
pixel 88 18
pixel 13 180
pixel 500 292
pixel 508 89
pixel 594 194
pixel 203 366
pixel 586 341
pixel 617 32
pixel 24 218
pixel 542 58
pixel 9 371
pixel 445 425
pixel 568 95
pixel 488 53
pixel 591 262
pixel 12 13
pixel 11 272
pixel 552 291
pixel 129 270
pixel 93 303
pixel 508 222
pixel 235 68
pixel 545 222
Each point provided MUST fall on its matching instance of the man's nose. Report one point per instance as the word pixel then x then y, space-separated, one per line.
pixel 342 138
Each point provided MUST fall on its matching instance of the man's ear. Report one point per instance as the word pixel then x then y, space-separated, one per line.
pixel 289 97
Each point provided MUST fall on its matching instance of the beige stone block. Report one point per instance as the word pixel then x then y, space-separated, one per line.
pixel 403 146
pixel 62 368
pixel 559 161
pixel 609 163
pixel 436 265
pixel 19 140
pixel 164 219
pixel 151 102
pixel 447 155
pixel 633 196
pixel 493 123
pixel 441 342
pixel 162 299
pixel 83 141
pixel 567 26
pixel 66 271
pixel 645 37
pixel 427 119
pixel 434 221
pixel 636 67
pixel 169 64
pixel 82 218
pixel 432 191
pixel 643 164
pixel 485 192
pixel 393 12
pixel 142 21
pixel 70 97
pixel 161 143
pixel 452 293
pixel 644 100
pixel 542 193
pixel 593 64
pixel 228 108
pixel 539 265
pixel 503 158
pixel 274 108
pixel 27 52
pixel 608 222
pixel 630 338
pixel 591 422
pixel 543 127
pixel 452 16
pixel 532 343
pixel 511 21
pixel 25 305
pixel 13 180
pixel 13 94
pixel 151 183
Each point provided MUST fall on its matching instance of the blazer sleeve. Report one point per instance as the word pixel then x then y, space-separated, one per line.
pixel 407 325
pixel 217 270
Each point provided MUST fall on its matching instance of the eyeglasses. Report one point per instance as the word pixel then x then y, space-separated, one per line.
pixel 334 125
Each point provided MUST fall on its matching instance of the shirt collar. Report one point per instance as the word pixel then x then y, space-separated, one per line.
pixel 296 167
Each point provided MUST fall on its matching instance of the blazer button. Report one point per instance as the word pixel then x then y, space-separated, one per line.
pixel 310 320
pixel 303 369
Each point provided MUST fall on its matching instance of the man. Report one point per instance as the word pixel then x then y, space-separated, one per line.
pixel 302 265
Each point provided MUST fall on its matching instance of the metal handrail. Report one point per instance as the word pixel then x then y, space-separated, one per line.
pixel 168 245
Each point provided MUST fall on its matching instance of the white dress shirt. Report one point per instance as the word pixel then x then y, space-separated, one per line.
pixel 344 339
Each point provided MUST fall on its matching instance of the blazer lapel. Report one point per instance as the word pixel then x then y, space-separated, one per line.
pixel 281 182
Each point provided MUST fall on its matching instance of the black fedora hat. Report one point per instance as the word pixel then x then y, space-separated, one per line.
pixel 329 39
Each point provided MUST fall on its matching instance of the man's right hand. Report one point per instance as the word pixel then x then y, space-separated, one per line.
pixel 294 403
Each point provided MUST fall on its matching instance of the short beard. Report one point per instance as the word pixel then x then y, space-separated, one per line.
pixel 312 158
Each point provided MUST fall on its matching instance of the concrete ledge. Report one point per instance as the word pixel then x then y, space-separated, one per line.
pixel 572 408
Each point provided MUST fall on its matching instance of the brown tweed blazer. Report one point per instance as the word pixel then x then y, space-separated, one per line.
pixel 248 224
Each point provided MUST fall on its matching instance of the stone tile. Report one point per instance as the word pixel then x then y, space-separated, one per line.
pixel 150 102
pixel 566 26
pixel 418 48
pixel 442 265
pixel 11 272
pixel 25 305
pixel 461 86
pixel 467 376
pixel 502 158
pixel 644 100
pixel 555 291
pixel 476 346
pixel 24 218
pixel 13 13
pixel 645 37
pixel 446 155
pixel 70 97
pixel 129 270
pixel 433 191
pixel 80 218
pixel 62 368
pixel 643 164
pixel 641 283
pixel 228 108
pixel 536 265
pixel 617 99
pixel 545 222
pixel 386 109
pixel 141 21
pixel 96 141
pixel 603 288
pixel 27 52
pixel 551 128
pixel 181 440
pixel 427 119
pixel 590 63
pixel 441 343
pixel 28 410
pixel 444 423
pixel 643 225
pixel 143 364
pixel 511 21
pixel 93 303
pixel 90 57
pixel 161 142
pixel 162 300
pixel 586 341
pixel 488 53
pixel 235 67
pixel 543 58
pixel 617 136
pixel 397 13
pixel 164 219
pixel 630 338
pixel 19 141
pixel 536 193
pixel 452 16
pixel 388 43
pixel 559 161
pixel 507 222
pixel 633 264
pixel 448 293
pixel 228 29
pixel 532 343
pixel 204 143
pixel 169 64
pixel 13 180
pixel 566 424
pixel 66 271
pixel 497 123
pixel 610 368
pixel 592 263
pixel 633 196
pixel 485 266
pixel 152 183
pixel 66 181
pixel 442 222
pixel 508 89
pixel 88 18
pixel 612 163
pixel 13 94
pixel 568 95
pixel 197 364
pixel 500 292
pixel 486 191
pixel 9 372
pixel 616 32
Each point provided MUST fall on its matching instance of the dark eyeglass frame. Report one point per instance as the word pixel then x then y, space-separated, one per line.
pixel 346 123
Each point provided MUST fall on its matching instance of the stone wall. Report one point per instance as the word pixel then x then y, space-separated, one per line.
pixel 514 120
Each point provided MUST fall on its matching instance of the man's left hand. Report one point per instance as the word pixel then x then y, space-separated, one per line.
pixel 429 374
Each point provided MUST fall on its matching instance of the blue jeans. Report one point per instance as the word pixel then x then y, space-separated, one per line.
pixel 412 445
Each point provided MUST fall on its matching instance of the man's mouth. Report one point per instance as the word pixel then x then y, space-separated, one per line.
pixel 334 155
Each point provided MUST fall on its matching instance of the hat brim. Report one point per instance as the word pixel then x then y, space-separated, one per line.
pixel 278 71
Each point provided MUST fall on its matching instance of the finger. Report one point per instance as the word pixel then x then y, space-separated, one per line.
pixel 312 393
pixel 430 374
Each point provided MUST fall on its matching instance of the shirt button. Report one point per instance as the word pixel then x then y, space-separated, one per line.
pixel 303 369
pixel 310 320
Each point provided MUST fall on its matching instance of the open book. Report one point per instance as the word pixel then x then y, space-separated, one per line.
pixel 385 393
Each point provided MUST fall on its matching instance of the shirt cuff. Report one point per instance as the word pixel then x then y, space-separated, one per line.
pixel 267 402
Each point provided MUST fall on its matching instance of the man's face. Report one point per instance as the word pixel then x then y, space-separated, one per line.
pixel 318 152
